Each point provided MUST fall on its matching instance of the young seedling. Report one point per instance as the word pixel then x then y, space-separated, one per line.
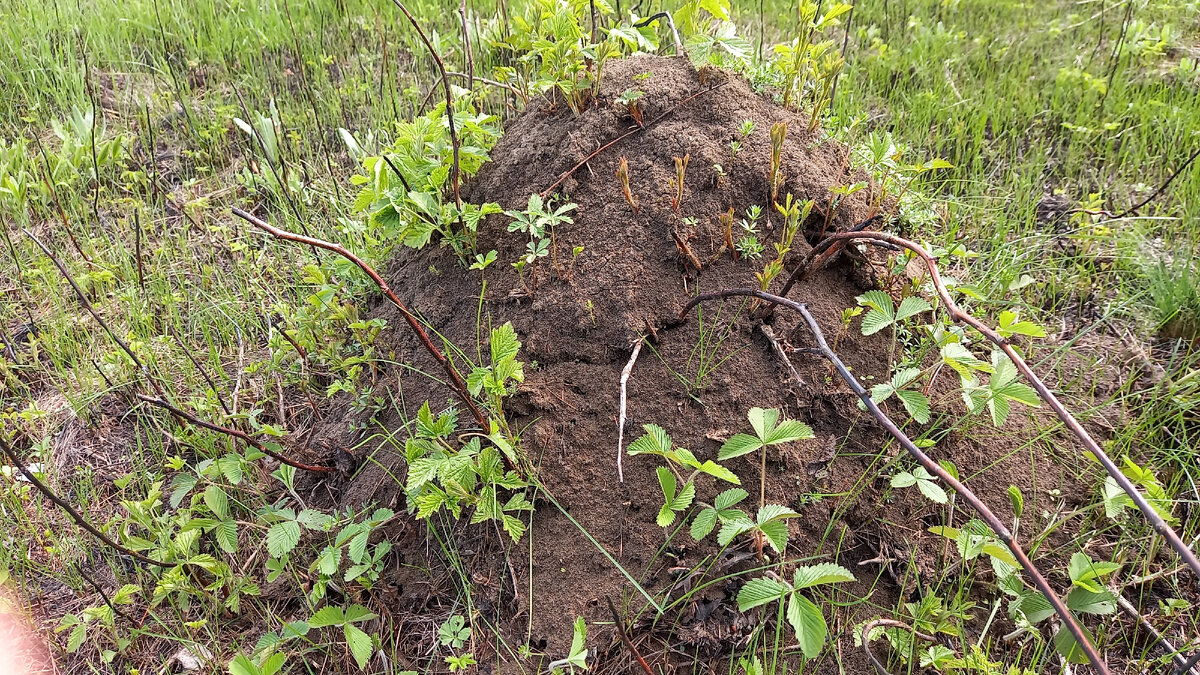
pixel 726 220
pixel 794 213
pixel 778 134
pixel 804 616
pixel 680 172
pixel 629 98
pixel 768 430
pixel 623 177
pixel 675 499
pixel 748 244
pixel 925 482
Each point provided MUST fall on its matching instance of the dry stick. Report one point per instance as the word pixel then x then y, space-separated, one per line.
pixel 933 467
pixel 203 373
pixel 103 595
pixel 493 83
pixel 778 349
pixel 637 349
pixel 1177 657
pixel 236 433
pixel 460 387
pixel 454 178
pixel 620 626
pixel 865 639
pixel 1161 188
pixel 84 301
pixel 957 314
pixel 79 519
pixel 462 13
pixel 546 193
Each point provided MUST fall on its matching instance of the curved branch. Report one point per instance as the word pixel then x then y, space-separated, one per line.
pixel 236 433
pixel 957 314
pixel 460 386
pixel 75 515
pixel 933 467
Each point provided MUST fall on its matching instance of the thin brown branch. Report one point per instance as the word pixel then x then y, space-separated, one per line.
pixel 84 301
pixel 1161 188
pixel 103 596
pixel 236 433
pixel 491 83
pixel 454 177
pixel 619 624
pixel 933 467
pixel 462 13
pixel 1182 667
pixel 456 380
pixel 957 314
pixel 70 510
pixel 546 193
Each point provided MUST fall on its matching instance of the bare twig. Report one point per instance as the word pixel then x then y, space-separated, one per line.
pixel 546 193
pixel 84 301
pixel 491 83
pixel 957 314
pixel 454 177
pixel 203 373
pixel 103 595
pixel 619 624
pixel 462 13
pixel 933 467
pixel 637 349
pixel 865 639
pixel 778 349
pixel 75 515
pixel 236 433
pixel 1134 209
pixel 459 385
pixel 1181 663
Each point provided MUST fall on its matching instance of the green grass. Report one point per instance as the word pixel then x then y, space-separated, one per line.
pixel 1076 100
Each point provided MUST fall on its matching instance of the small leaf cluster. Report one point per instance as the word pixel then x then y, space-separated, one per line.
pixel 658 443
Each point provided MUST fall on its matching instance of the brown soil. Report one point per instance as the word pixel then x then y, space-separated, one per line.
pixel 578 327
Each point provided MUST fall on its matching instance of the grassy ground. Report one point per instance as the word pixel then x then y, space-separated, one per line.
pixel 129 129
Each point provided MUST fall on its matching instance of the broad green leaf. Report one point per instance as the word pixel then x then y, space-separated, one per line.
pixel 1033 605
pixel 685 497
pixel 1089 602
pixel 327 616
pixel 903 479
pixel 225 533
pixel 655 441
pixel 217 501
pixel 504 343
pixel 361 645
pixel 788 431
pixel 666 480
pixel 738 445
pixel 282 538
pixel 728 498
pixel 776 533
pixel 911 306
pixel 878 301
pixel 272 664
pixel 241 665
pixel 1065 644
pixel 763 420
pixel 916 404
pixel 809 624
pixel 875 321
pixel 932 491
pixel 1009 325
pixel 819 574
pixel 703 524
pixel 760 591
pixel 717 471
pixel 770 512
pixel 578 655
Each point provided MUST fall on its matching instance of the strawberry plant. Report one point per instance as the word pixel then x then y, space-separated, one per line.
pixel 768 430
pixel 803 614
pixel 656 442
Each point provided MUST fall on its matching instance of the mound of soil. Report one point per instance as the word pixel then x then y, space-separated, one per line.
pixel 697 379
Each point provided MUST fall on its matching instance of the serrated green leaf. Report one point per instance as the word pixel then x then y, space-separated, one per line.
pixel 361 645
pixel 738 445
pixel 932 491
pixel 903 479
pixel 282 538
pixel 577 656
pixel 225 533
pixel 1089 602
pixel 819 574
pixel 763 420
pixel 717 471
pixel 729 498
pixel 776 533
pixel 911 306
pixel 878 301
pixel 759 592
pixel 808 623
pixel 788 431
pixel 875 321
pixel 217 501
pixel 241 665
pixel 655 441
pixel 327 616
pixel 769 512
pixel 703 524
pixel 916 404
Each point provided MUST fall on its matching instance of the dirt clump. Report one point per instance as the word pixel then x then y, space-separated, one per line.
pixel 695 378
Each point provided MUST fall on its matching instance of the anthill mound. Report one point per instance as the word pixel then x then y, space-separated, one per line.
pixel 697 379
